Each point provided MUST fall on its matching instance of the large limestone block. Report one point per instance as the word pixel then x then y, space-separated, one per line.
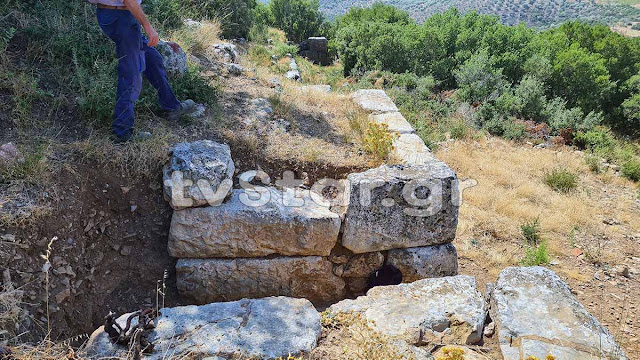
pixel 425 262
pixel 236 229
pixel 401 206
pixel 394 120
pixel 411 150
pixel 374 100
pixel 200 173
pixel 308 277
pixel 264 328
pixel 536 315
pixel 443 310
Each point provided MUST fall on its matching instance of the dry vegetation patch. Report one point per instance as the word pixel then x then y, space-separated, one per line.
pixel 511 191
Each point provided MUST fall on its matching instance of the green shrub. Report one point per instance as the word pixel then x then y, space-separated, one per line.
pixel 536 255
pixel 561 179
pixel 631 169
pixel 531 231
pixel 299 19
pixel 593 162
pixel 378 140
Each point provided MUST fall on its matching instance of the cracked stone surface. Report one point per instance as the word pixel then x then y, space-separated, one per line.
pixel 401 206
pixel 309 277
pixel 264 328
pixel 425 262
pixel 444 310
pixel 536 315
pixel 374 100
pixel 235 229
pixel 204 165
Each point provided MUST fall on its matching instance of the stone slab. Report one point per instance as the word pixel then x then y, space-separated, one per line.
pixel 264 328
pixel 207 280
pixel 536 315
pixel 374 100
pixel 394 120
pixel 411 150
pixel 236 229
pixel 444 310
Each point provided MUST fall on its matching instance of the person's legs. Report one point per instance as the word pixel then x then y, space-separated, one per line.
pixel 125 31
pixel 157 76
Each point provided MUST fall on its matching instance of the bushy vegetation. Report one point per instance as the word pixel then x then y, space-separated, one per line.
pixel 561 179
pixel 566 77
pixel 536 13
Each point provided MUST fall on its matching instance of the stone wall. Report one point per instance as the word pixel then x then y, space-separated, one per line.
pixel 233 245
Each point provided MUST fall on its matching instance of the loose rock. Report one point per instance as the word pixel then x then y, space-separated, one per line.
pixel 265 328
pixel 173 57
pixel 200 173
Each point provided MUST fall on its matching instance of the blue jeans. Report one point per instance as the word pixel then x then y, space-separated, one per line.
pixel 134 58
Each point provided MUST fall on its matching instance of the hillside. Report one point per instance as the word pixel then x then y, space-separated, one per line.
pixel 537 13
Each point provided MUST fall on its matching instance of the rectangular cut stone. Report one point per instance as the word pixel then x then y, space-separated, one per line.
pixel 537 315
pixel 374 100
pixel 234 229
pixel 446 310
pixel 209 280
pixel 411 150
pixel 394 120
pixel 400 206
pixel 425 262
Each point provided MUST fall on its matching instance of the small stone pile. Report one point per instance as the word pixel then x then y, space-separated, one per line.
pixel 233 246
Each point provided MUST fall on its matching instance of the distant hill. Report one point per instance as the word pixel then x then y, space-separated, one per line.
pixel 537 13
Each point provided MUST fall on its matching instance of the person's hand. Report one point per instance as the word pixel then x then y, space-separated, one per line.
pixel 152 35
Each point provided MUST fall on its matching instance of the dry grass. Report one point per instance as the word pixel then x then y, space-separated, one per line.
pixel 321 126
pixel 511 191
pixel 199 39
pixel 349 337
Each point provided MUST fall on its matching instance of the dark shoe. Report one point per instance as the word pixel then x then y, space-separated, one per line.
pixel 186 107
pixel 140 136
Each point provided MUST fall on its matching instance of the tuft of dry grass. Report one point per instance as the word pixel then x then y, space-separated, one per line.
pixel 136 160
pixel 349 337
pixel 511 191
pixel 198 39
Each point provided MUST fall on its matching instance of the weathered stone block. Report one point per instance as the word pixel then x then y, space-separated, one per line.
pixel 235 229
pixel 536 315
pixel 264 328
pixel 409 149
pixel 401 206
pixel 444 310
pixel 374 100
pixel 425 262
pixel 394 120
pixel 200 173
pixel 210 280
